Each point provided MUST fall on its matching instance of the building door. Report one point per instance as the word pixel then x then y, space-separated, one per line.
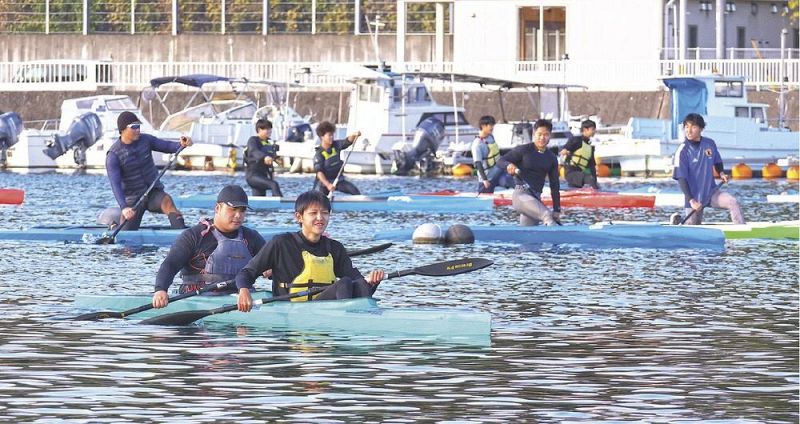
pixel 543 33
pixel 741 40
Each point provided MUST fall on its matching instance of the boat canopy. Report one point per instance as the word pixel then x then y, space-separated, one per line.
pixel 689 95
pixel 194 80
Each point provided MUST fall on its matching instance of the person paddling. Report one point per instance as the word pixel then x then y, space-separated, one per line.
pixel 131 170
pixel 212 251
pixel 307 259
pixel 259 157
pixel 530 164
pixel 581 168
pixel 693 167
pixel 485 153
pixel 328 161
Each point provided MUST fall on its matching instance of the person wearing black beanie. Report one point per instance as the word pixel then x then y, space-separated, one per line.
pixel 131 170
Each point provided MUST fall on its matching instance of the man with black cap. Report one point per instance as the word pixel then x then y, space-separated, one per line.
pixel 212 251
pixel 130 169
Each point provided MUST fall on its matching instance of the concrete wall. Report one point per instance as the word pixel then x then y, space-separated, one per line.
pixel 614 108
pixel 488 30
pixel 213 47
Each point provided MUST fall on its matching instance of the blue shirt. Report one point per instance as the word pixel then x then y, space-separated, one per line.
pixel 694 162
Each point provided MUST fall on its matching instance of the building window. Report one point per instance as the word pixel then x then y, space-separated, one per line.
pixel 543 33
pixel 693 36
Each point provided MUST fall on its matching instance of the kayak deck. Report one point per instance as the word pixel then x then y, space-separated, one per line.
pixel 361 315
pixel 577 198
pixel 354 203
pixel 597 236
pixel 155 235
pixel 780 230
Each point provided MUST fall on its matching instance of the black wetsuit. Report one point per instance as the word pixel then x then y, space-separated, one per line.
pixel 259 175
pixel 534 166
pixel 189 253
pixel 283 255
pixel 329 162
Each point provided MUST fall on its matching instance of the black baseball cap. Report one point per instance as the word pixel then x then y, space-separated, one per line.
pixel 126 118
pixel 233 196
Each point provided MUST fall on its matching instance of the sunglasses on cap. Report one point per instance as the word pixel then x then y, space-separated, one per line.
pixel 134 126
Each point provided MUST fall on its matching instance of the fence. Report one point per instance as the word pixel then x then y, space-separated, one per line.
pixel 215 16
pixel 608 75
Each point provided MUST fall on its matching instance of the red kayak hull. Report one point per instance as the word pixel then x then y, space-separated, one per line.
pixel 579 198
pixel 11 196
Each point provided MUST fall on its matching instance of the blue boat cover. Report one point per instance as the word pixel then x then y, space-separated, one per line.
pixel 689 95
pixel 194 80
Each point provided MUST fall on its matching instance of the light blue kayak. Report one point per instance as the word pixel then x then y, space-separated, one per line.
pixel 360 203
pixel 160 236
pixel 353 316
pixel 596 236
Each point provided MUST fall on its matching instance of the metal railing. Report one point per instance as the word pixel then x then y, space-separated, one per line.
pixel 606 75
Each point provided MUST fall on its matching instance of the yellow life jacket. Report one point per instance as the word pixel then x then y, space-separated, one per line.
pixel 581 157
pixel 494 152
pixel 317 272
pixel 326 155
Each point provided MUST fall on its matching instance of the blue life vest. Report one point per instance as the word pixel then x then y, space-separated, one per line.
pixel 227 259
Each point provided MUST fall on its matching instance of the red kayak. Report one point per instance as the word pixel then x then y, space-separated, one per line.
pixel 11 196
pixel 577 198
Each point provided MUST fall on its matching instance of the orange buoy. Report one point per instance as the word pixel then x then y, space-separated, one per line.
pixel 741 172
pixel 562 171
pixel 462 170
pixel 771 170
pixel 793 173
pixel 11 196
pixel 603 170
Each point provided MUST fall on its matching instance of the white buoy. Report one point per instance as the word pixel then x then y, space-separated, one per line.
pixel 428 234
pixel 459 234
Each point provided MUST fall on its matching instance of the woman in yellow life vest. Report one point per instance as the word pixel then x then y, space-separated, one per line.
pixel 306 259
pixel 581 168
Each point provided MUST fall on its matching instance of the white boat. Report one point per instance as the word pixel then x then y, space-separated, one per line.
pixel 221 125
pixel 784 197
pixel 738 127
pixel 89 138
pixel 387 108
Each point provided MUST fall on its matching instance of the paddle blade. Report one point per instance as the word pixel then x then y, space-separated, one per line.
pixel 105 240
pixel 369 250
pixel 94 316
pixel 178 318
pixel 455 267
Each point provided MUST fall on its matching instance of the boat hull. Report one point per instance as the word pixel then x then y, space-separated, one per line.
pixel 781 230
pixel 160 236
pixel 579 198
pixel 350 203
pixel 597 236
pixel 353 316
pixel 11 196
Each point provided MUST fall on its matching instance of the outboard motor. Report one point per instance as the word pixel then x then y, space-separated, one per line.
pixel 427 137
pixel 84 131
pixel 521 133
pixel 298 133
pixel 10 129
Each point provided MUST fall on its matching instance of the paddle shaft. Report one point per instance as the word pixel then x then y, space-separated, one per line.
pixel 689 215
pixel 341 170
pixel 368 250
pixel 146 192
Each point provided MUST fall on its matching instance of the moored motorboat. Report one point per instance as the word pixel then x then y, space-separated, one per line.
pixel 155 235
pixel 350 203
pixel 780 230
pixel 596 236
pixel 353 316
pixel 11 196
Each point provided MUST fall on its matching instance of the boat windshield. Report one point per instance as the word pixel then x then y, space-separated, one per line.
pixel 120 104
pixel 446 117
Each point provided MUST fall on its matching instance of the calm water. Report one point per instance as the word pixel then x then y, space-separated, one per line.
pixel 628 335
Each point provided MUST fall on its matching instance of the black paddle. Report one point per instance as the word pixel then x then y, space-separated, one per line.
pixel 93 316
pixel 188 317
pixel 689 215
pixel 110 239
pixel 440 269
pixel 369 250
